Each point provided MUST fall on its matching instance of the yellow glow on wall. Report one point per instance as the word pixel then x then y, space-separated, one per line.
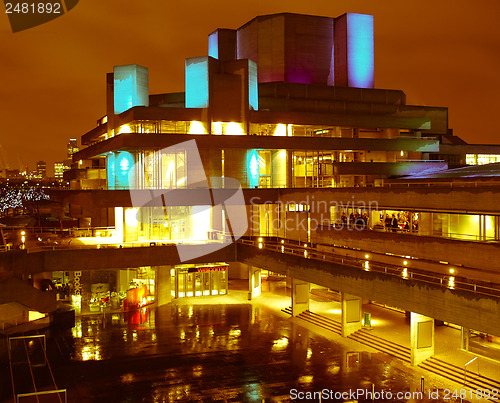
pixel 197 128
pixel 234 129
pixel 131 217
pixel 124 129
pixel 200 220
pixel 34 315
pixel 217 128
pixel 228 128
pixel 119 223
pixel 280 130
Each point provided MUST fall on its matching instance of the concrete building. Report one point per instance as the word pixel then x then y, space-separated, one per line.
pixel 281 139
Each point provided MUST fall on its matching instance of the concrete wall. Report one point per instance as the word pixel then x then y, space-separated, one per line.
pixel 21 262
pixel 22 292
pixel 463 308
pixel 484 256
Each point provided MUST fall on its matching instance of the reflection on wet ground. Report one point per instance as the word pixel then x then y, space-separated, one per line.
pixel 234 352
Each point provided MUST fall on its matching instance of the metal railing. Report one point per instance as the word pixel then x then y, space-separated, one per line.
pixel 444 281
pixel 36 393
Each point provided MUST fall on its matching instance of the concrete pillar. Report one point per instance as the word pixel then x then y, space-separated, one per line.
pixel 320 215
pixel 279 168
pixel 235 166
pixel 238 271
pixel 351 314
pixel 465 338
pixel 163 293
pixel 254 283
pixel 421 338
pixel 300 296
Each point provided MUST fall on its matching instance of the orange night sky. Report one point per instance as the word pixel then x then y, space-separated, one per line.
pixel 440 52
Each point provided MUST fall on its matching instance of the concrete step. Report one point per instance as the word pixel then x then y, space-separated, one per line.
pixel 378 343
pixel 321 321
pixel 366 334
pixel 456 374
pixel 287 310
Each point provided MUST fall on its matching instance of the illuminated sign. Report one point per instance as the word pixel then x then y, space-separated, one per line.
pixel 253 168
pixel 124 170
pixel 206 269
pixel 77 285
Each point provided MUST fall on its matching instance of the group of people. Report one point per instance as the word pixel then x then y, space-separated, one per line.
pixel 358 221
pixel 392 224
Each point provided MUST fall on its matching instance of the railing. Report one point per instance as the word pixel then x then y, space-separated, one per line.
pixel 456 236
pixel 43 345
pixel 430 183
pixel 309 252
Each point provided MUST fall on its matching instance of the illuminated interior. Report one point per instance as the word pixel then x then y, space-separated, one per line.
pixel 191 280
pixel 481 159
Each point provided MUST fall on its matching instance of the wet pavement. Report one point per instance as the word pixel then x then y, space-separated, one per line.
pixel 220 352
pixel 220 349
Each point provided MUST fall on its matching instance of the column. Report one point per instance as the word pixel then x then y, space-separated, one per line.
pixel 300 296
pixel 163 293
pixel 254 283
pixel 351 314
pixel 421 338
pixel 320 215
pixel 465 338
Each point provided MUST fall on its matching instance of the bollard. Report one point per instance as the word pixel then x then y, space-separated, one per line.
pixel 422 383
pixel 373 392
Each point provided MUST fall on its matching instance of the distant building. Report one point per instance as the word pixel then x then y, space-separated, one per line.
pixel 72 147
pixel 41 169
pixel 59 168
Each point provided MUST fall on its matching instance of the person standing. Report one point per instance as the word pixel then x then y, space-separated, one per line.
pixel 394 223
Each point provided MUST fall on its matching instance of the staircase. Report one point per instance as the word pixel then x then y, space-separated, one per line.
pixel 363 336
pixel 318 320
pixel 456 374
pixel 287 310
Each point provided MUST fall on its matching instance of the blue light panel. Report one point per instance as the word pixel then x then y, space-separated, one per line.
pixel 213 44
pixel 125 170
pixel 197 82
pixel 130 87
pixel 360 52
pixel 110 170
pixel 253 168
pixel 253 86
